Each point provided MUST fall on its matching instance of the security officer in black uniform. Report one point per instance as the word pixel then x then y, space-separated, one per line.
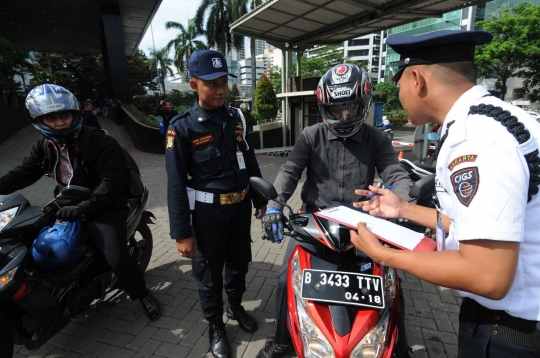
pixel 208 142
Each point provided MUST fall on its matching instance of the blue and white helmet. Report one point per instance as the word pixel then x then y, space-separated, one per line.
pixel 59 246
pixel 47 99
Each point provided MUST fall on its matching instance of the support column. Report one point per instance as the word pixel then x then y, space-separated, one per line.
pixel 289 116
pixel 284 100
pixel 114 55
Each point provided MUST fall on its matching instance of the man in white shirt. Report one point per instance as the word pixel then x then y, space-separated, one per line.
pixel 488 172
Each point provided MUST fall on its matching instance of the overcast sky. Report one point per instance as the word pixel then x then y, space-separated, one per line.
pixel 169 10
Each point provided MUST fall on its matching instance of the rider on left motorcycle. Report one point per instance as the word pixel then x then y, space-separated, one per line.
pixel 340 154
pixel 74 154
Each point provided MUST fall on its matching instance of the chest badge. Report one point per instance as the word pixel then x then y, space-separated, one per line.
pixel 465 183
pixel 202 140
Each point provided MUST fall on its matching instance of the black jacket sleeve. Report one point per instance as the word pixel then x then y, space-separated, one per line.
pixel 291 172
pixel 108 157
pixel 389 169
pixel 177 177
pixel 26 174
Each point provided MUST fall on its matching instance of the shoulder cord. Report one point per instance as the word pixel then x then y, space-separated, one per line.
pixel 518 130
pixel 243 124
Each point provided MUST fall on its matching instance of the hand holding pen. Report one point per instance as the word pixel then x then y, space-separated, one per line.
pixel 381 202
pixel 373 194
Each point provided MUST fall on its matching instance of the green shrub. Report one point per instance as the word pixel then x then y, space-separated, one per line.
pixel 250 121
pixel 265 98
pixel 179 98
pixel 181 108
pixel 398 122
pixel 150 120
pixel 256 117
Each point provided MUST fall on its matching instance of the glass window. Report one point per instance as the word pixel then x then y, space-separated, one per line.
pixel 358 53
pixel 358 42
pixel 465 13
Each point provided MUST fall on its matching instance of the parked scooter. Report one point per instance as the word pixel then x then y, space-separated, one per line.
pixel 386 127
pixel 341 304
pixel 36 301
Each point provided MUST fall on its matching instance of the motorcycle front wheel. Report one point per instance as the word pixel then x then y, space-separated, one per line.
pixel 141 245
pixel 6 339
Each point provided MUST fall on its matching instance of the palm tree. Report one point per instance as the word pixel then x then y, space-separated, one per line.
pixel 161 58
pixel 184 43
pixel 221 14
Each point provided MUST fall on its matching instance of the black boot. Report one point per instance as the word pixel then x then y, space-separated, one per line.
pixel 151 306
pixel 218 341
pixel 272 350
pixel 245 321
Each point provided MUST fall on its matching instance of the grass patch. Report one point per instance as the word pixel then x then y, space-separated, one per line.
pixel 151 121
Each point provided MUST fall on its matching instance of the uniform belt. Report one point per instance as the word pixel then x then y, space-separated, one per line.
pixel 511 329
pixel 224 199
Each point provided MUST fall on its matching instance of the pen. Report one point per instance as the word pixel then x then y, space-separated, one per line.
pixel 372 195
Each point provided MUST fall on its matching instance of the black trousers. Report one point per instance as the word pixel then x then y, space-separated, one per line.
pixel 223 235
pixel 282 335
pixel 476 341
pixel 109 234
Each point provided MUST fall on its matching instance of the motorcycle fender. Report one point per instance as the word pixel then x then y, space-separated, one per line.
pixel 320 313
pixel 42 307
pixel 147 217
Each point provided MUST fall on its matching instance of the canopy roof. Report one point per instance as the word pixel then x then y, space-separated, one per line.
pixel 301 24
pixel 72 25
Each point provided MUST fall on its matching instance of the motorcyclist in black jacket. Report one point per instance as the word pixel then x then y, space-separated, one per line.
pixel 74 154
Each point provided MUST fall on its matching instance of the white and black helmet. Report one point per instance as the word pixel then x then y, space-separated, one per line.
pixel 47 99
pixel 344 97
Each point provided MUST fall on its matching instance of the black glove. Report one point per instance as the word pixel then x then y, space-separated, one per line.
pixel 272 225
pixel 70 213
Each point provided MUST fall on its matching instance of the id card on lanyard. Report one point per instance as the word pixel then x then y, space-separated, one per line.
pixel 440 234
pixel 240 159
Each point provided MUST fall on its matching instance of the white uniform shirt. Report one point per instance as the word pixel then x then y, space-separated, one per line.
pixel 482 185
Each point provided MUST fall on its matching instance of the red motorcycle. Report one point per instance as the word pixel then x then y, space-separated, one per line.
pixel 341 304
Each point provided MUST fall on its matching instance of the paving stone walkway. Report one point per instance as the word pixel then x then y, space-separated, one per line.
pixel 120 328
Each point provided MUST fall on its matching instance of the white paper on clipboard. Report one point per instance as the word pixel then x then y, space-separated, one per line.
pixel 385 230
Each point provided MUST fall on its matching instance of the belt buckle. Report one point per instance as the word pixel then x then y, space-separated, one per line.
pixel 231 198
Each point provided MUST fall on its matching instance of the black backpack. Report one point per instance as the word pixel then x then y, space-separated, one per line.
pixel 132 175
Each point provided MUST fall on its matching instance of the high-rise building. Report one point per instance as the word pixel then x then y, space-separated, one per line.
pixel 454 20
pixel 363 50
pixel 245 69
pixel 464 19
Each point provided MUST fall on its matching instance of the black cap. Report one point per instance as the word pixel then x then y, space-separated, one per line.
pixel 436 47
pixel 208 65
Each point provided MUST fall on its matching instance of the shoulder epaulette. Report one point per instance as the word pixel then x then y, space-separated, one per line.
pixel 178 116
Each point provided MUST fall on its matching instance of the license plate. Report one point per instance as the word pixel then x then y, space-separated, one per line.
pixel 343 287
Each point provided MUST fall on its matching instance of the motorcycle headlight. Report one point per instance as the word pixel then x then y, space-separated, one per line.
pixel 6 216
pixel 371 346
pixel 296 274
pixel 8 277
pixel 315 344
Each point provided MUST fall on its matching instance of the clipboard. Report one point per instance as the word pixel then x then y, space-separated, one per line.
pixel 386 231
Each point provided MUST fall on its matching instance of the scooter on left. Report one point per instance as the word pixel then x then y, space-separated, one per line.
pixel 37 300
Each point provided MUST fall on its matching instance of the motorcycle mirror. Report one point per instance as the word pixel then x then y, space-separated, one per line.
pixel 75 192
pixel 263 188
pixel 432 136
pixel 423 188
